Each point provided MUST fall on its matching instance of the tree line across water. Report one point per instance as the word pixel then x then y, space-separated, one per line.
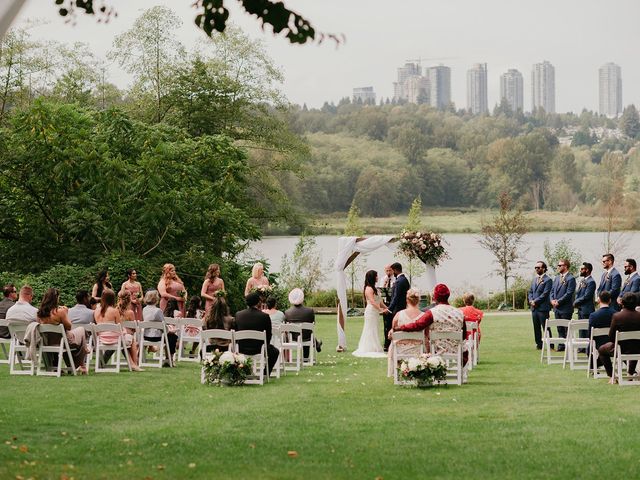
pixel 203 152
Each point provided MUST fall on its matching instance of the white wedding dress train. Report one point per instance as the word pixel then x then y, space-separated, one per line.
pixel 369 344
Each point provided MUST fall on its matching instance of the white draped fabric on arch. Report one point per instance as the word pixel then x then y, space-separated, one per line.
pixel 348 249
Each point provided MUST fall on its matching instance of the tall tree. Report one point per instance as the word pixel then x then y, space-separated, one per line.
pixel 503 236
pixel 630 122
pixel 415 267
pixel 149 51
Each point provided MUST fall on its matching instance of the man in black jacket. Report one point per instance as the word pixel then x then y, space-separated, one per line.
pixel 298 313
pixel 399 298
pixel 253 319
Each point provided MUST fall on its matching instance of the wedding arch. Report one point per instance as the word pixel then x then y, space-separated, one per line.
pixel 348 249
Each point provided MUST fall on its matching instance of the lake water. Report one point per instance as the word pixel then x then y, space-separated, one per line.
pixel 470 267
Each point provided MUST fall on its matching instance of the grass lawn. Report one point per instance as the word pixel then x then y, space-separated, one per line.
pixel 514 419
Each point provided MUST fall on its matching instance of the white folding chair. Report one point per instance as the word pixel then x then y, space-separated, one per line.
pixel 472 342
pixel 574 343
pixel 206 337
pixel 116 348
pixel 185 337
pixel 593 369
pixel 619 357
pixel 18 350
pixel 260 360
pixel 162 345
pixel 291 347
pixel 548 339
pixel 5 343
pixel 311 343
pixel 456 370
pixel 48 349
pixel 398 356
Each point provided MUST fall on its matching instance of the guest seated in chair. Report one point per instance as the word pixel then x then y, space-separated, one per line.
pixel 471 313
pixel 405 317
pixel 441 318
pixel 10 296
pixel 626 320
pixel 22 309
pixel 50 313
pixel 219 317
pixel 253 319
pixel 298 313
pixel 106 312
pixel 151 313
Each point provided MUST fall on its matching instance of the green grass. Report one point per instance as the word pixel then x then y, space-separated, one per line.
pixel 514 419
pixel 463 221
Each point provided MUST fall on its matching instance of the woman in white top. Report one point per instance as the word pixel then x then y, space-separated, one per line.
pixel 404 317
pixel 369 344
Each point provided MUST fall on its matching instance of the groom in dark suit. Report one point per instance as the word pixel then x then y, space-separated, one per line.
pixel 611 280
pixel 399 297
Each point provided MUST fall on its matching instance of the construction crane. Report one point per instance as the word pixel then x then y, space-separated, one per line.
pixel 432 59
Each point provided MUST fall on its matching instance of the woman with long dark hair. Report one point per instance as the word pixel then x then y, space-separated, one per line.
pixel 369 344
pixel 219 317
pixel 134 287
pixel 102 283
pixel 50 313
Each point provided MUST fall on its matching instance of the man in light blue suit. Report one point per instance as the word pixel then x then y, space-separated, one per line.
pixel 611 280
pixel 585 292
pixel 562 292
pixel 632 282
pixel 539 301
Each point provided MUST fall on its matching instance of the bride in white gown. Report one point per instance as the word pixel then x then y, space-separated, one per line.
pixel 369 344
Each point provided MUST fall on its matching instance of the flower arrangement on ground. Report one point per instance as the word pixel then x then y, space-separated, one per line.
pixel 226 368
pixel 425 246
pixel 424 369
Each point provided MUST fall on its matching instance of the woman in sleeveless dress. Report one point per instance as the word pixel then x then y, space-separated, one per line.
pixel 212 283
pixel 404 317
pixel 170 287
pixel 134 288
pixel 369 344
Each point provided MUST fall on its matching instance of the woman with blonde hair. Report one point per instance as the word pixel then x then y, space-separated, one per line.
pixel 171 287
pixel 128 315
pixel 403 317
pixel 106 312
pixel 212 283
pixel 257 279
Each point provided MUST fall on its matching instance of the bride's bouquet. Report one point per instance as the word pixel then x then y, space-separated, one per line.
pixel 424 370
pixel 426 246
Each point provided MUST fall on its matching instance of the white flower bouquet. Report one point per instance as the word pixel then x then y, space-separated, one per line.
pixel 424 369
pixel 226 368
pixel 426 246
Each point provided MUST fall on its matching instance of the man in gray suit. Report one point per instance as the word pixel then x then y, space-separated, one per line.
pixel 298 313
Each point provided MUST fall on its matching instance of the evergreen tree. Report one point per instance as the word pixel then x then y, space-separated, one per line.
pixel 630 122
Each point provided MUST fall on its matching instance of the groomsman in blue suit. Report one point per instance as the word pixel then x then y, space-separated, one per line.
pixel 585 292
pixel 632 282
pixel 539 301
pixel 611 280
pixel 562 291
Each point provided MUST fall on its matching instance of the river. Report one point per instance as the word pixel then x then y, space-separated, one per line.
pixel 470 268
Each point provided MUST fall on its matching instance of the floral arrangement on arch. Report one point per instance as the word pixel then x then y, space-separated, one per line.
pixel 424 370
pixel 426 246
pixel 226 368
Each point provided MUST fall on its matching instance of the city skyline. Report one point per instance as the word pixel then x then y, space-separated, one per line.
pixel 578 38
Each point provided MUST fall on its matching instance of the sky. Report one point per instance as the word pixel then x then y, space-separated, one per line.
pixel 576 36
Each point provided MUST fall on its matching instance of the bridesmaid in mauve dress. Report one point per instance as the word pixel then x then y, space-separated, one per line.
pixel 135 292
pixel 170 286
pixel 212 283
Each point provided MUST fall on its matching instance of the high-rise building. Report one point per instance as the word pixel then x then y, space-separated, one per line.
pixel 477 89
pixel 512 89
pixel 404 73
pixel 543 87
pixel 417 89
pixel 610 90
pixel 439 86
pixel 364 95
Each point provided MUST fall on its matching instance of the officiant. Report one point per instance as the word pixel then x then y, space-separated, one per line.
pixel 386 291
